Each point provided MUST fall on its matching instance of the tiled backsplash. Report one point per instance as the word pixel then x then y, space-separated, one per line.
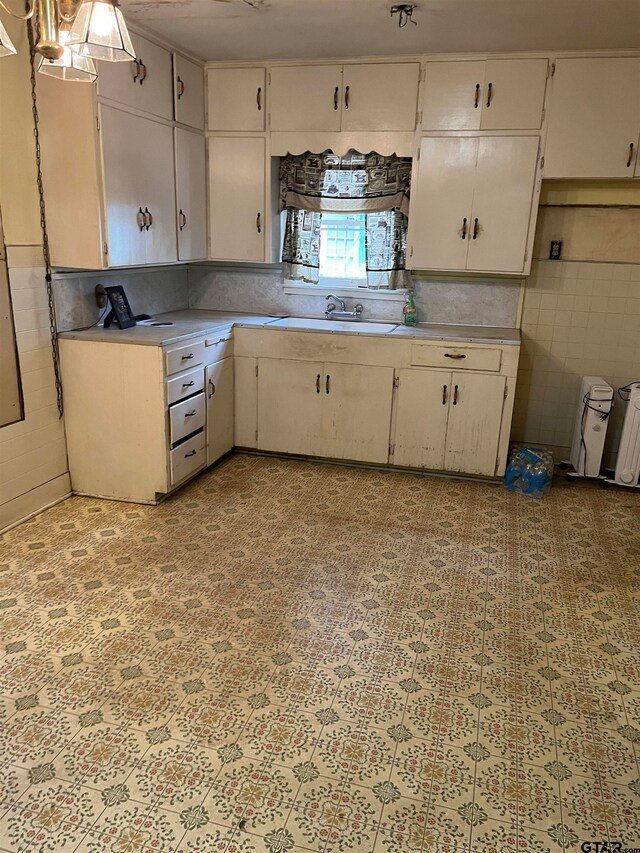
pixel 579 319
pixel 260 290
pixel 150 291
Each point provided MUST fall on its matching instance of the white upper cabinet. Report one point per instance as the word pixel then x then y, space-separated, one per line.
pixel 594 120
pixel 500 94
pixel 236 99
pixel 453 95
pixel 380 96
pixel 145 83
pixel 376 96
pixel 306 97
pixel 188 88
pixel 471 206
pixel 502 196
pixel 441 199
pixel 191 195
pixel 140 209
pixel 237 198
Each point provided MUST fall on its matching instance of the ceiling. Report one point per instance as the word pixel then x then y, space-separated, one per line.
pixel 308 29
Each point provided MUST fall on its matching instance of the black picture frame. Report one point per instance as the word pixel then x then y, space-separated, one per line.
pixel 120 308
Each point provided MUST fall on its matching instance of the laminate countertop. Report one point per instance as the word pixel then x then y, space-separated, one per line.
pixel 196 323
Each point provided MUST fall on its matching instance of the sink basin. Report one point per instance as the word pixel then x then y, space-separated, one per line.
pixel 333 325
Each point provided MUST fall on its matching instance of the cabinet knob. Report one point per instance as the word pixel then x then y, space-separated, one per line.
pixel 180 83
pixel 259 97
pixel 477 100
pixel 489 94
pixel 346 98
pixel 630 160
pixel 475 228
pixel 444 395
pixel 464 228
pixel 335 97
pixel 183 219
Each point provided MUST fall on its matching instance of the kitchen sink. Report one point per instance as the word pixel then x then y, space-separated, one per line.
pixel 330 325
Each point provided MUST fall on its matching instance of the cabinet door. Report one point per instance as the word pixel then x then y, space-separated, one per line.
pixel 146 84
pixel 513 94
pixel 380 96
pixel 124 162
pixel 236 198
pixel 188 82
pixel 441 203
pixel 594 118
pixel 306 97
pixel 159 193
pixel 236 98
pixel 453 93
pixel 290 397
pixel 220 408
pixel 191 195
pixel 473 429
pixel 356 412
pixel 504 183
pixel 421 418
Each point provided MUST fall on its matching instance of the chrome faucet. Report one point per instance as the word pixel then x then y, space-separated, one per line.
pixel 332 312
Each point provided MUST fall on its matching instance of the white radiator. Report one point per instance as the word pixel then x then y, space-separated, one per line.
pixel 628 463
pixel 590 430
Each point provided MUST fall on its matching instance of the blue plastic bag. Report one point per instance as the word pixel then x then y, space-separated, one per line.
pixel 530 471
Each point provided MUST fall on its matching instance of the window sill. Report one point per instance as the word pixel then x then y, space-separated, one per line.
pixel 344 292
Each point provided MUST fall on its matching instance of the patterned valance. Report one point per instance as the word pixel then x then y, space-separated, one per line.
pixel 351 183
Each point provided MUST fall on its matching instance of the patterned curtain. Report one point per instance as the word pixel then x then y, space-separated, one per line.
pixel 353 183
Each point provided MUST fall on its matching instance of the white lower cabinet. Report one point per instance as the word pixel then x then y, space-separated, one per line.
pixel 290 396
pixel 340 411
pixel 219 389
pixel 449 421
pixel 173 409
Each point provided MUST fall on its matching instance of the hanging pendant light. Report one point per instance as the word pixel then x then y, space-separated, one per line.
pixel 99 32
pixel 70 66
pixel 6 45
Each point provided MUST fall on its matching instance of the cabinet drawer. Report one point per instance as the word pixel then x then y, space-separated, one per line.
pixel 186 417
pixel 184 357
pixel 460 358
pixel 187 458
pixel 218 347
pixel 185 385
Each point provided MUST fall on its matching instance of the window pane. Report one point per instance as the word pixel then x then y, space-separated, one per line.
pixel 342 246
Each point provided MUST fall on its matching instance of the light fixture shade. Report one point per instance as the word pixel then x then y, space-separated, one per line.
pixel 6 45
pixel 99 32
pixel 70 66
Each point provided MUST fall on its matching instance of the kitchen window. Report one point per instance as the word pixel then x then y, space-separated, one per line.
pixel 343 250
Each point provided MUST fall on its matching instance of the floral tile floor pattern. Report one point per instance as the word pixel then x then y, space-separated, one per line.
pixel 289 656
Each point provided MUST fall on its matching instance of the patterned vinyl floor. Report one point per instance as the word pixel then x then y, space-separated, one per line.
pixel 289 656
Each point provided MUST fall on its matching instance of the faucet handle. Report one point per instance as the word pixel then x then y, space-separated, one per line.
pixel 359 308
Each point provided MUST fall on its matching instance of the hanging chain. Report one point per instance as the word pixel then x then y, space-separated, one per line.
pixel 46 254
